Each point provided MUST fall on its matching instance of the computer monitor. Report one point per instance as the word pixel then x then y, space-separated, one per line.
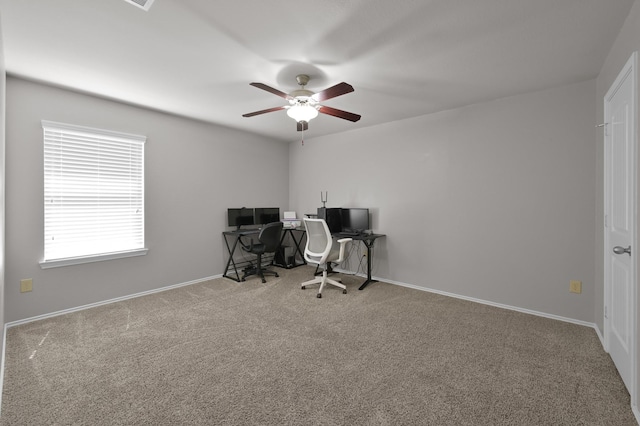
pixel 264 215
pixel 333 217
pixel 240 217
pixel 355 220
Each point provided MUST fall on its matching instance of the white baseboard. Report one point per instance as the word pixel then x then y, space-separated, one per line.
pixel 4 349
pixel 105 302
pixel 399 283
pixel 600 336
pixel 484 302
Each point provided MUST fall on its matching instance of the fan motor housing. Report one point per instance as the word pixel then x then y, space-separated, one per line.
pixel 301 93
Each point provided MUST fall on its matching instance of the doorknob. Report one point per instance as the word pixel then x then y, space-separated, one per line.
pixel 622 250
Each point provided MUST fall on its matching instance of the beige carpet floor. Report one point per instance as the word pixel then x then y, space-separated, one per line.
pixel 227 353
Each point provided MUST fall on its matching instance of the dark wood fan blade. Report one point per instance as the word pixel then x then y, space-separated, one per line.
pixel 302 125
pixel 264 111
pixel 270 90
pixel 333 91
pixel 339 113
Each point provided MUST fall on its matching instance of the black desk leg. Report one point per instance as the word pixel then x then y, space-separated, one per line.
pixel 298 249
pixel 231 261
pixel 369 244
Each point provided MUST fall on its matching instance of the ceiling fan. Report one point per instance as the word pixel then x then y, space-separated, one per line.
pixel 305 104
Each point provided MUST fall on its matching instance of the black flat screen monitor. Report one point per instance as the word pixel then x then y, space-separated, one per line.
pixel 333 217
pixel 240 217
pixel 355 220
pixel 266 215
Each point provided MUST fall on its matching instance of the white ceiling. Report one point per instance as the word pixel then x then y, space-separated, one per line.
pixel 404 58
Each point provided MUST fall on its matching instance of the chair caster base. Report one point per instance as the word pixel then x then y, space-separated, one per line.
pixel 302 288
pixel 344 291
pixel 319 296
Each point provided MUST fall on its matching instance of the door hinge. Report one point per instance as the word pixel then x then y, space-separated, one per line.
pixel 605 312
pixel 606 221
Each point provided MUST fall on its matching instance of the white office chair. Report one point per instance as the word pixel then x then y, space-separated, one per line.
pixel 321 250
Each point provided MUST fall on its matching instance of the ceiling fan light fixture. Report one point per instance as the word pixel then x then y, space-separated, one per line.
pixel 302 112
pixel 304 104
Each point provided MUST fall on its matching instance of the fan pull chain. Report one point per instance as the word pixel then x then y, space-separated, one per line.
pixel 302 136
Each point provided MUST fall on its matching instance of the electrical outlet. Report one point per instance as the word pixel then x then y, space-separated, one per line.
pixel 575 287
pixel 26 285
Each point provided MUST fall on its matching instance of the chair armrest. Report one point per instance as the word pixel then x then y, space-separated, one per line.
pixel 343 243
pixel 244 246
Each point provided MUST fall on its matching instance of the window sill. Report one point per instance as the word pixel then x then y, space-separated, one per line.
pixel 57 263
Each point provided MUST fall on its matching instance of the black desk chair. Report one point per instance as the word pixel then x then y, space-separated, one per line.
pixel 269 240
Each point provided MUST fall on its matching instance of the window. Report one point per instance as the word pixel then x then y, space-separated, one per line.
pixel 93 194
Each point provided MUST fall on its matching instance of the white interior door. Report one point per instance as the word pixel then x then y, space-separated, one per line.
pixel 620 222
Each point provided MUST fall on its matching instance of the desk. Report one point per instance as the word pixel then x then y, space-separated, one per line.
pixel 235 236
pixel 231 239
pixel 297 243
pixel 368 240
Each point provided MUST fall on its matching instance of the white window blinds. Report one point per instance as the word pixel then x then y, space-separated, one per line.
pixel 93 191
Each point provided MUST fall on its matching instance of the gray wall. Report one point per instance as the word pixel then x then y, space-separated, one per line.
pixel 627 42
pixel 493 201
pixel 192 175
pixel 3 89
